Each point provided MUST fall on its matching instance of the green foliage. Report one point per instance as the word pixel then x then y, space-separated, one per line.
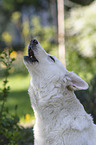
pixel 7 61
pixel 13 5
pixel 8 124
pixel 91 101
pixel 10 132
pixel 80 42
pixel 44 34
pixel 88 98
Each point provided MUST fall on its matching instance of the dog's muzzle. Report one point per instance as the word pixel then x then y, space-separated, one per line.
pixel 31 48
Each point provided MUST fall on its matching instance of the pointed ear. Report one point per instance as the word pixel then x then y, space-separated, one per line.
pixel 75 82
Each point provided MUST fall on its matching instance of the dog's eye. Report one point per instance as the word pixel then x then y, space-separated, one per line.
pixel 52 58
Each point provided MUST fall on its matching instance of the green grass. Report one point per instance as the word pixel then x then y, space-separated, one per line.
pixel 19 95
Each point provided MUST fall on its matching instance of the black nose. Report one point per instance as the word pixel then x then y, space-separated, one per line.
pixel 34 41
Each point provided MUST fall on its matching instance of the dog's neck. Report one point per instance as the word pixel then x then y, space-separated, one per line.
pixel 48 101
pixel 54 111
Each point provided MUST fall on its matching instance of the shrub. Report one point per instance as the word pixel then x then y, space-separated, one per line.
pixel 10 132
pixel 9 129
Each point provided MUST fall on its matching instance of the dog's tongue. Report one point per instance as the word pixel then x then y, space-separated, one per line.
pixel 30 52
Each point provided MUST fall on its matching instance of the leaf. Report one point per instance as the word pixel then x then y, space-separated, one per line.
pixel 4 63
pixel 5 53
pixel 5 81
pixel 12 59
pixel 10 51
pixel 1 57
pixel 8 88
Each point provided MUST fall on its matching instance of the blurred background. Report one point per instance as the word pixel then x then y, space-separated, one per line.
pixel 22 20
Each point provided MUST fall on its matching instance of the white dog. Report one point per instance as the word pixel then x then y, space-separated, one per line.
pixel 60 117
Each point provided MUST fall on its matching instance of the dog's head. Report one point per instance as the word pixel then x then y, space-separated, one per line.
pixel 38 62
pixel 42 65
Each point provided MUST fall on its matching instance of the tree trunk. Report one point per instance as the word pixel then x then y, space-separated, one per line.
pixel 60 4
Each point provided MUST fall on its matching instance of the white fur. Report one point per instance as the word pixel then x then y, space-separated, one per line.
pixel 60 117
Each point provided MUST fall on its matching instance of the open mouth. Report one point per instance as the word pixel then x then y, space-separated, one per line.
pixel 31 55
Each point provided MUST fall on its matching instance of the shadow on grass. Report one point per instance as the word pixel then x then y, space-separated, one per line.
pixel 22 100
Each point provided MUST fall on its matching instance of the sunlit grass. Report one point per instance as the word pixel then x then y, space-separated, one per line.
pixel 27 120
pixel 19 82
